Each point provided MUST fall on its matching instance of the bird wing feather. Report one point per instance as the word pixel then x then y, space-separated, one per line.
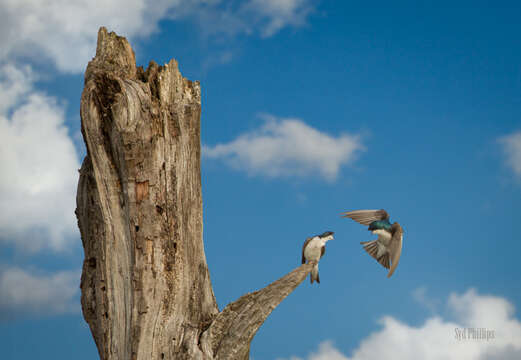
pixel 366 217
pixel 304 247
pixel 395 249
pixel 371 247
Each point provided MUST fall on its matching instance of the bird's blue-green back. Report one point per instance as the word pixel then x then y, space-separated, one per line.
pixel 380 224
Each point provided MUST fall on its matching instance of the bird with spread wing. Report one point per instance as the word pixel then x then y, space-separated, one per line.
pixel 388 247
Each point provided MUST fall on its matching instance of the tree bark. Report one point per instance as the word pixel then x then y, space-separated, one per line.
pixel 146 290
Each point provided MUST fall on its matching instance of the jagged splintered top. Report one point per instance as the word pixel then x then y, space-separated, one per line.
pixel 115 56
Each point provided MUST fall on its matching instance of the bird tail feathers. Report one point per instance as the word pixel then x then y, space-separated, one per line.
pixel 372 248
pixel 314 274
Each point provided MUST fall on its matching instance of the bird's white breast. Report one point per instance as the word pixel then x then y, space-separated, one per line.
pixel 384 237
pixel 313 249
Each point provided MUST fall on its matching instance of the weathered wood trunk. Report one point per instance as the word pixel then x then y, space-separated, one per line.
pixel 146 290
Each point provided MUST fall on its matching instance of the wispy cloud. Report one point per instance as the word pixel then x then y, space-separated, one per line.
pixel 285 147
pixel 23 293
pixel 216 59
pixel 64 32
pixel 273 15
pixel 39 166
pixel 421 296
pixel 438 339
pixel 231 18
pixel 511 145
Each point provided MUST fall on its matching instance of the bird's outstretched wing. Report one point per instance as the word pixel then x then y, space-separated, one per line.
pixel 303 247
pixel 372 249
pixel 366 217
pixel 395 249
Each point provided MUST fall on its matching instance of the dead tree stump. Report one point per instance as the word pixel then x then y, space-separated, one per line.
pixel 146 290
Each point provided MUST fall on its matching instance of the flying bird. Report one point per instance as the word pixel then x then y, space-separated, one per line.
pixel 388 247
pixel 313 249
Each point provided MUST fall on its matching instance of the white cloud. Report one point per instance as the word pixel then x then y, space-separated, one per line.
pixel 39 166
pixel 512 148
pixel 287 147
pixel 25 293
pixel 14 82
pixel 65 31
pixel 436 339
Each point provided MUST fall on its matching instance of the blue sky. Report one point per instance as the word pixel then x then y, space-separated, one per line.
pixel 310 108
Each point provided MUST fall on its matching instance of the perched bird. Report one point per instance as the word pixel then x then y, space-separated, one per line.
pixel 313 249
pixel 388 247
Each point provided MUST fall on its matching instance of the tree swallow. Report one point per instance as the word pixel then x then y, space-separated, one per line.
pixel 388 247
pixel 313 249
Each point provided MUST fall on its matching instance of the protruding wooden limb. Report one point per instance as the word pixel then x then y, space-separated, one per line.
pixel 230 334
